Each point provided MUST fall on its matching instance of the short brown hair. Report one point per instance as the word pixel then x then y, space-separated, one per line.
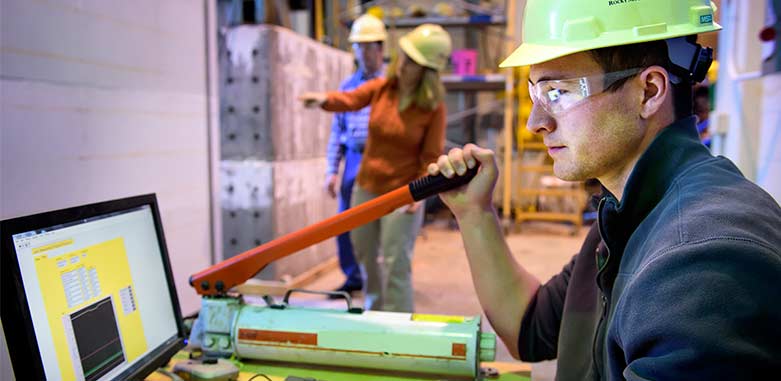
pixel 642 55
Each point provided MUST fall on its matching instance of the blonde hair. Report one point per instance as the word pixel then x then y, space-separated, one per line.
pixel 429 93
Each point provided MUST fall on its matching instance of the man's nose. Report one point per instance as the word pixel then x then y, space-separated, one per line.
pixel 540 120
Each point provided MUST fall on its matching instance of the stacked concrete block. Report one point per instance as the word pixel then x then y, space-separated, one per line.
pixel 299 200
pixel 273 149
pixel 267 68
pixel 247 198
pixel 245 112
pixel 301 65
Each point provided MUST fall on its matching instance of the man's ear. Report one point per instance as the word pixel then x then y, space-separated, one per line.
pixel 656 90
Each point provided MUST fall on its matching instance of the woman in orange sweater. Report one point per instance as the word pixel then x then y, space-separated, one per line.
pixel 406 132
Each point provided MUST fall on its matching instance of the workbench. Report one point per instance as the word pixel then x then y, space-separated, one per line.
pixel 508 371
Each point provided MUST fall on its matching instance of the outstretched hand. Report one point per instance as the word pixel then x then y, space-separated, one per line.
pixel 312 100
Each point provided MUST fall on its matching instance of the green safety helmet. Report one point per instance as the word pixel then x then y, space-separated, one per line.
pixel 556 28
pixel 429 45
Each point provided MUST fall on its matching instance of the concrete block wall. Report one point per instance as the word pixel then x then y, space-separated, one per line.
pixel 299 64
pixel 299 201
pixel 273 150
pixel 247 206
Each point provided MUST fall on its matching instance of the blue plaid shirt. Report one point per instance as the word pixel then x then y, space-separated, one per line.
pixel 349 129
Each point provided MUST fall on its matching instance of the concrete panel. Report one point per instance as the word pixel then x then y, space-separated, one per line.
pixel 245 132
pixel 245 95
pixel 246 184
pixel 299 201
pixel 268 67
pixel 263 126
pixel 246 199
pixel 305 65
pixel 266 200
pixel 244 229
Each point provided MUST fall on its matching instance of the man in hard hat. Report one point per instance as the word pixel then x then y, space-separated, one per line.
pixel 348 134
pixel 680 277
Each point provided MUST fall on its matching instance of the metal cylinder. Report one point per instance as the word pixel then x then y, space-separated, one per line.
pixel 434 344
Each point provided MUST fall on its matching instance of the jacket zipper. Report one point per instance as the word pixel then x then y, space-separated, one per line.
pixel 597 335
pixel 597 338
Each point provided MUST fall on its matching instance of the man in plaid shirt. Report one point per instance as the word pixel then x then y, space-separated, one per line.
pixel 348 135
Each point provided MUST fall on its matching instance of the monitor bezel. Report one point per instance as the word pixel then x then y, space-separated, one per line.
pixel 14 308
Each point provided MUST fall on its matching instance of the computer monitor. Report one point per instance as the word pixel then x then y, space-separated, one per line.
pixel 87 292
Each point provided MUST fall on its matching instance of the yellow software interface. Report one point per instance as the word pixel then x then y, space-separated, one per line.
pixel 93 315
pixel 97 293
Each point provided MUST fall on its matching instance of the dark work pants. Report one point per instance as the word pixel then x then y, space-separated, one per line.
pixel 350 268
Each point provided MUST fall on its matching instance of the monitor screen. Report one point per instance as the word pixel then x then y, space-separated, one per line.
pixel 88 292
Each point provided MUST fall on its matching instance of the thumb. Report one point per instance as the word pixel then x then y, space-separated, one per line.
pixel 483 155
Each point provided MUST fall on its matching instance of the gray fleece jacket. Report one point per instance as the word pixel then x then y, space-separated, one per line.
pixel 681 280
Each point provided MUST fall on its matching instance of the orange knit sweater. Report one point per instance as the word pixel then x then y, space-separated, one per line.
pixel 400 145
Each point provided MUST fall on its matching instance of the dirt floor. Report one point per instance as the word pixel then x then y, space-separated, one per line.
pixel 441 274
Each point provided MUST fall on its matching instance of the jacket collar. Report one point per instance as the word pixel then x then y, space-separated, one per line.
pixel 672 152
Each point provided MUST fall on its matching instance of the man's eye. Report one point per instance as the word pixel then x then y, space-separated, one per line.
pixel 555 94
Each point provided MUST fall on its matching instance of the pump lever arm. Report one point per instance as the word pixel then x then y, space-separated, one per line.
pixel 231 272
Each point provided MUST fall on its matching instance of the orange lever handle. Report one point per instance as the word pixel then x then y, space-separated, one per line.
pixel 231 272
pixel 223 276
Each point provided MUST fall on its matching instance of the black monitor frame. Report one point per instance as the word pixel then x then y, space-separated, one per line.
pixel 14 308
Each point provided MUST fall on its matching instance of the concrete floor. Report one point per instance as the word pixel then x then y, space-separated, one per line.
pixel 441 274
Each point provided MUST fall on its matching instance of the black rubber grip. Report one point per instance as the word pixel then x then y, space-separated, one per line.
pixel 428 186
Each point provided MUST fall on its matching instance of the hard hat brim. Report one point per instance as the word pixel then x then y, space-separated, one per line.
pixel 413 53
pixel 368 38
pixel 532 54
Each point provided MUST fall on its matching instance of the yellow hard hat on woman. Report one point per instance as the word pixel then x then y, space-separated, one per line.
pixel 429 45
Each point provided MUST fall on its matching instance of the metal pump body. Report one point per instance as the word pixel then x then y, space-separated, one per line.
pixel 418 343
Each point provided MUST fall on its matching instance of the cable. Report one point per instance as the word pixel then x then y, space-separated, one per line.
pixel 193 315
pixel 172 375
pixel 259 375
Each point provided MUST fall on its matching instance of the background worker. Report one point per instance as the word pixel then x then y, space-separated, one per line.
pixel 406 132
pixel 679 277
pixel 348 135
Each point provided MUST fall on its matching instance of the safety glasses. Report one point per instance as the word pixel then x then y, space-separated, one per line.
pixel 560 95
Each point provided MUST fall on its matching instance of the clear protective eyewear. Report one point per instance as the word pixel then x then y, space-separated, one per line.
pixel 557 96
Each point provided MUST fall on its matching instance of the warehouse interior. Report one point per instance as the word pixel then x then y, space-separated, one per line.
pixel 219 118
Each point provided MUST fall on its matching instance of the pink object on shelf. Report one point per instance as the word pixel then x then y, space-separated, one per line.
pixel 464 62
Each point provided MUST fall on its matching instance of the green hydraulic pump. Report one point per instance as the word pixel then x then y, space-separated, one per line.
pixel 349 337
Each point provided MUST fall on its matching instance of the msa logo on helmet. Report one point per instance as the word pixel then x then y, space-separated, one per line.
pixel 611 3
pixel 706 19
